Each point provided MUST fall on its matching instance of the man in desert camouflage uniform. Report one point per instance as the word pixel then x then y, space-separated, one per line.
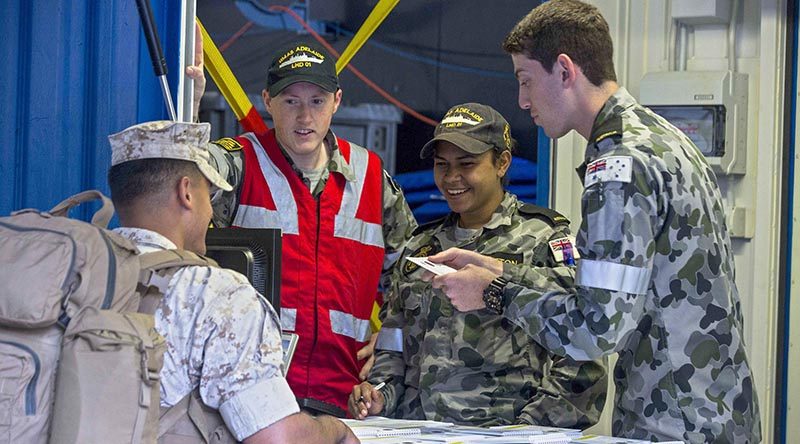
pixel 656 280
pixel 223 338
pixel 476 367
pixel 344 220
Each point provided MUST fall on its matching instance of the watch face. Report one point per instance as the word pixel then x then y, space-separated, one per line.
pixel 492 300
pixel 493 295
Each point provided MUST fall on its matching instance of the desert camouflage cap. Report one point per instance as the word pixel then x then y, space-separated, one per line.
pixel 165 139
pixel 474 128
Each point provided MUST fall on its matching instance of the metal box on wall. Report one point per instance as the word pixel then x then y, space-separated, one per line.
pixel 709 106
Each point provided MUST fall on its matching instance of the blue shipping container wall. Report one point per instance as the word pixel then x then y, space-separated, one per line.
pixel 72 72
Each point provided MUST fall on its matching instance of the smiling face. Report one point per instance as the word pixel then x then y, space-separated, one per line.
pixel 302 115
pixel 542 94
pixel 471 183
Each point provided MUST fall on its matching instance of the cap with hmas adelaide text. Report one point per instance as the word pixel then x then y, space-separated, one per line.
pixel 474 128
pixel 302 62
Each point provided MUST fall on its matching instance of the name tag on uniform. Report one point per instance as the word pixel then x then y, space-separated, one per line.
pixel 609 169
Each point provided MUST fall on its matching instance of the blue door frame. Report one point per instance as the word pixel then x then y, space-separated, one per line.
pixel 73 72
pixel 785 314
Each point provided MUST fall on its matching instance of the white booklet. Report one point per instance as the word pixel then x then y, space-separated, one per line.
pixel 520 430
pixel 598 439
pixel 467 438
pixel 382 427
pixel 437 269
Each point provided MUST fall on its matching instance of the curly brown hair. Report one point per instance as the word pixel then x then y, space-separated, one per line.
pixel 566 27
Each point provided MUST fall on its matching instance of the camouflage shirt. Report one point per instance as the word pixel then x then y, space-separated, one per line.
pixel 398 220
pixel 223 338
pixel 655 284
pixel 477 367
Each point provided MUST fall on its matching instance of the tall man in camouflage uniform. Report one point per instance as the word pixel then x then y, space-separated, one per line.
pixel 656 280
pixel 344 220
pixel 223 338
pixel 477 367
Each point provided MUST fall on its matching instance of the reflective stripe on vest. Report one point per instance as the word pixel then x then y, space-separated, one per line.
pixel 346 225
pixel 390 339
pixel 348 325
pixel 612 276
pixel 285 213
pixel 288 318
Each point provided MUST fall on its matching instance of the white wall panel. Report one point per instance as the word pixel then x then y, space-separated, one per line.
pixel 640 32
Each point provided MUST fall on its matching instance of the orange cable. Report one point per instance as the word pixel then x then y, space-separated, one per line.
pixel 352 68
pixel 235 36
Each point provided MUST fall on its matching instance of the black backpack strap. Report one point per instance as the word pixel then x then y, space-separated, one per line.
pixel 152 284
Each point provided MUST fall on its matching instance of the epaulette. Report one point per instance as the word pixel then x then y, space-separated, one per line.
pixel 610 127
pixel 427 225
pixel 228 144
pixel 553 217
pixel 392 183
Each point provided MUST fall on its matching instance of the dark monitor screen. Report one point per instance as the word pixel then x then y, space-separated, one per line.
pixel 253 252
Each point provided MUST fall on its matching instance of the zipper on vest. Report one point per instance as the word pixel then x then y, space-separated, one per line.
pixel 30 389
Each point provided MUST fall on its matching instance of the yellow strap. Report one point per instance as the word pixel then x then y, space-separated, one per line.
pixel 374 320
pixel 223 77
pixel 381 10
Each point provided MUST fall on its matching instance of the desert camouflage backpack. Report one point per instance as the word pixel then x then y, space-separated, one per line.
pixel 79 354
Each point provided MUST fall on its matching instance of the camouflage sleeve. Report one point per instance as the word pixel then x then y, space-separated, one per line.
pixel 572 394
pixel 237 344
pixel 389 360
pixel 230 165
pixel 398 226
pixel 598 315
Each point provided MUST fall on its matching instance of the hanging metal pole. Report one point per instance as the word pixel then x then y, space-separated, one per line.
pixel 156 54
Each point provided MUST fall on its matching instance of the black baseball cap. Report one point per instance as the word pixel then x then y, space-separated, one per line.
pixel 303 61
pixel 474 128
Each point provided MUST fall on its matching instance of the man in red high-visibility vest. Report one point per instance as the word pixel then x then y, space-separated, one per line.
pixel 343 218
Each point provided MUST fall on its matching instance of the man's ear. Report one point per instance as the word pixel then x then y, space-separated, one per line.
pixel 183 192
pixel 337 99
pixel 567 70
pixel 266 98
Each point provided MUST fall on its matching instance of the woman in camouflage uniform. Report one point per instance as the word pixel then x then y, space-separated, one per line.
pixel 473 366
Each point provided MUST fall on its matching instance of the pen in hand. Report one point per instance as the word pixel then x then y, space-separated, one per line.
pixel 377 387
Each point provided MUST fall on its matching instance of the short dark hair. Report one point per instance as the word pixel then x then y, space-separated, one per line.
pixel 145 178
pixel 566 27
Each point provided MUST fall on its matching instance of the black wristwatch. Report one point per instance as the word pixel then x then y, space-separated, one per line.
pixel 493 295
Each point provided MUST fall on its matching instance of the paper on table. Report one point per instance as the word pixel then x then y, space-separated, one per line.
pixel 381 427
pixel 466 438
pixel 598 439
pixel 437 269
pixel 522 430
